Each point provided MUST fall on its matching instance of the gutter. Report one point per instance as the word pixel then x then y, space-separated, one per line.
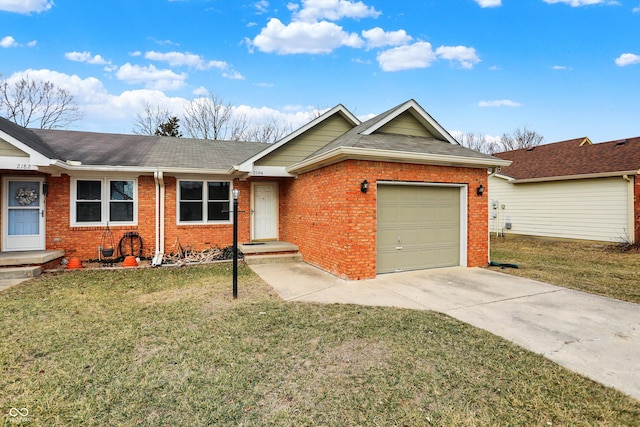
pixel 73 165
pixel 574 177
pixel 160 197
pixel 350 153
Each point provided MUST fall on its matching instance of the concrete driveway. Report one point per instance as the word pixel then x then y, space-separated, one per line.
pixel 595 336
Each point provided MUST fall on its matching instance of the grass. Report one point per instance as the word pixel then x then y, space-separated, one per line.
pixel 169 346
pixel 602 269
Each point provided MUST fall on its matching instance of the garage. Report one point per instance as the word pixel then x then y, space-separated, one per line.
pixel 418 227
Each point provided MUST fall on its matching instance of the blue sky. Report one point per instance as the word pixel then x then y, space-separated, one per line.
pixel 564 68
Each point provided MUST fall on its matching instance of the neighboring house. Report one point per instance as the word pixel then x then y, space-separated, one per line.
pixel 571 189
pixel 422 207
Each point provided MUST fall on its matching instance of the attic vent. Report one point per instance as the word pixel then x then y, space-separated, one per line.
pixel 621 142
pixel 531 148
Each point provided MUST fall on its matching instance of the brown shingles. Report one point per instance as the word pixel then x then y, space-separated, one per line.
pixel 567 158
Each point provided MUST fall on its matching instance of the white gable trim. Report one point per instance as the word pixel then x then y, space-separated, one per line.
pixel 420 114
pixel 247 165
pixel 35 158
pixel 350 153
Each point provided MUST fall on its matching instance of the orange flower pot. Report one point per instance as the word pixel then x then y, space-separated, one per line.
pixel 130 261
pixel 74 263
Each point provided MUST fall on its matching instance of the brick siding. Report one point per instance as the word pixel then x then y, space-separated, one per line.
pixel 334 223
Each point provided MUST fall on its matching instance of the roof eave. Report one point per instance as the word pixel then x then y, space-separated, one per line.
pixel 139 169
pixel 575 177
pixel 351 153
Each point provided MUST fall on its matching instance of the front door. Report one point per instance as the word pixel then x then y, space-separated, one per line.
pixel 23 214
pixel 264 211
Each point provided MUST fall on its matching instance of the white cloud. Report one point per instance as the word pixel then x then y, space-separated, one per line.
pixel 636 9
pixel 86 57
pixel 627 59
pixel 489 3
pixel 560 67
pixel 32 43
pixel 185 59
pixel 151 77
pixel 466 56
pixel 578 3
pixel 176 59
pixel 25 6
pixel 8 41
pixel 333 10
pixel 377 37
pixel 262 6
pixel 417 55
pixel 499 103
pixel 303 37
pixel 233 75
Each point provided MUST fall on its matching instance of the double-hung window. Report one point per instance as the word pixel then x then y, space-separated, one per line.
pixel 203 201
pixel 102 201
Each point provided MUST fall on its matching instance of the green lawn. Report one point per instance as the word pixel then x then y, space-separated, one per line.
pixel 169 346
pixel 598 268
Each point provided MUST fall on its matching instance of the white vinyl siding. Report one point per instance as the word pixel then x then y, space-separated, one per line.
pixel 588 209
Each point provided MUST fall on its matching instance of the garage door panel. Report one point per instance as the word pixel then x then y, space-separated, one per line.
pixel 418 227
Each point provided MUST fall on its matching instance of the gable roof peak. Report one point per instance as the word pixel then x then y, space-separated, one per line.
pixel 415 109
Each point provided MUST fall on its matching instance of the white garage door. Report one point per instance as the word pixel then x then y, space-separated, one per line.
pixel 418 227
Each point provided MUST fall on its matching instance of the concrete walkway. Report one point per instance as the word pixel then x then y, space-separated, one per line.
pixel 595 336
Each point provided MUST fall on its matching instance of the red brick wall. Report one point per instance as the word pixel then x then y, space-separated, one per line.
pixel 83 242
pixel 200 237
pixel 333 222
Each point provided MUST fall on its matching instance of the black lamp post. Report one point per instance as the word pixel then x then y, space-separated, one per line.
pixel 236 194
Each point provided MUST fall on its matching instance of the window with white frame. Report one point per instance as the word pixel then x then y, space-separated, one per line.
pixel 203 201
pixel 101 201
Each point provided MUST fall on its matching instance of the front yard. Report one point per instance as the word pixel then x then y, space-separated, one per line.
pixel 598 268
pixel 169 346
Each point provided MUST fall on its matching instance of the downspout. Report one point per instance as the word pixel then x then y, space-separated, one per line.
pixel 631 225
pixel 160 195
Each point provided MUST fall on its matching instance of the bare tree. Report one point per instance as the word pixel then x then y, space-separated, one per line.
pixel 37 103
pixel 150 119
pixel 211 118
pixel 270 131
pixel 520 138
pixel 478 143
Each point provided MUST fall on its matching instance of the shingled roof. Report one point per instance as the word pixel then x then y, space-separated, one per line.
pixel 573 158
pixel 105 149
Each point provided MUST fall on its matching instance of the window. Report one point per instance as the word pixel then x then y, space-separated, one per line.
pixel 204 199
pixel 98 201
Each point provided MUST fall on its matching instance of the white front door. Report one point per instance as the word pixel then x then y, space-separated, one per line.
pixel 23 214
pixel 264 211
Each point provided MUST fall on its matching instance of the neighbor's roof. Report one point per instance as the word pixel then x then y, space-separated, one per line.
pixel 573 158
pixel 105 149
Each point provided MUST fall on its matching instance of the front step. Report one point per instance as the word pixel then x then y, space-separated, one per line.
pixel 269 252
pixel 272 258
pixel 9 273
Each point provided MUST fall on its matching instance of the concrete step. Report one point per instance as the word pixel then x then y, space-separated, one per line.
pixel 272 258
pixel 19 272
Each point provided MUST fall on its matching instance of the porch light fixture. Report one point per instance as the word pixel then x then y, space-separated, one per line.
pixel 236 193
pixel 364 186
pixel 480 190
